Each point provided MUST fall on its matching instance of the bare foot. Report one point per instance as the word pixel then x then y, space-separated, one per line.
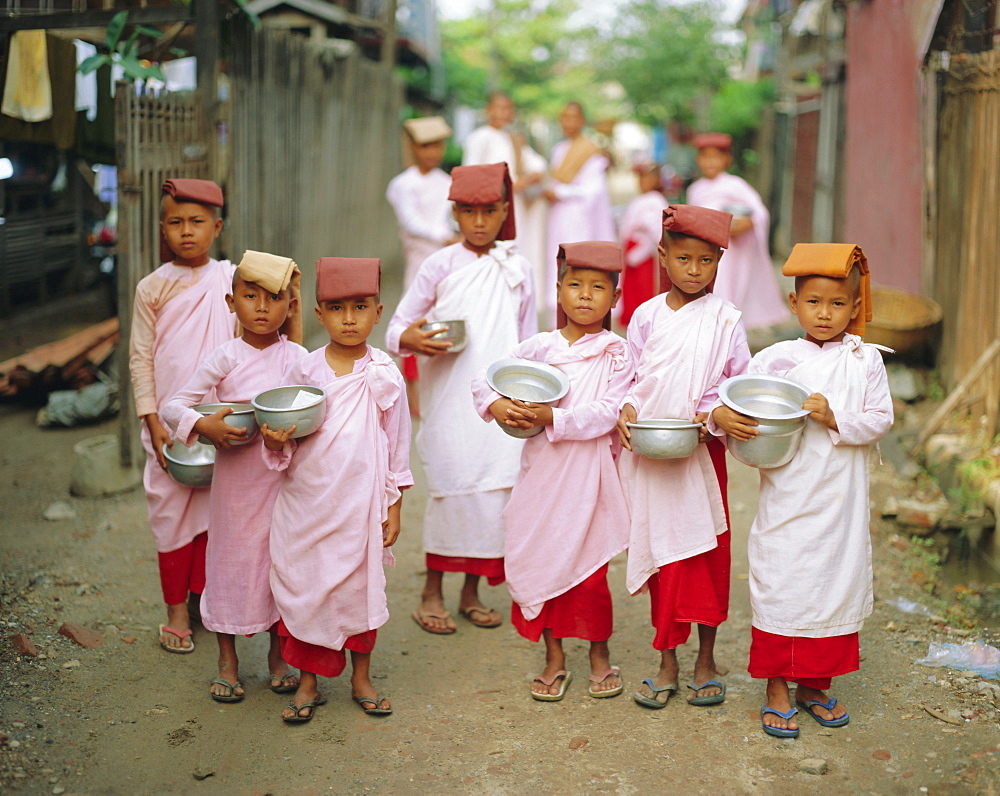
pixel 177 619
pixel 229 670
pixel 302 696
pixel 805 695
pixel 779 699
pixel 703 672
pixel 600 667
pixel 364 692
pixel 283 679
pixel 552 668
pixel 433 617
pixel 666 676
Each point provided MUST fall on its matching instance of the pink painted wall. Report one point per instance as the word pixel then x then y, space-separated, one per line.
pixel 883 153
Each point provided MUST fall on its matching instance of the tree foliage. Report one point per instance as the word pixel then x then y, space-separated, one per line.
pixel 531 49
pixel 667 57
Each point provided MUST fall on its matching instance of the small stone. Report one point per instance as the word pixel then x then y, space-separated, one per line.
pixel 18 725
pixel 202 772
pixel 13 744
pixel 578 742
pixel 58 789
pixel 128 639
pixel 813 765
pixel 921 513
pixel 24 646
pixel 84 636
pixel 71 664
pixel 60 510
pixel 881 754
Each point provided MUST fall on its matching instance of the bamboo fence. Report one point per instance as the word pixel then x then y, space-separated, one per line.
pixel 966 276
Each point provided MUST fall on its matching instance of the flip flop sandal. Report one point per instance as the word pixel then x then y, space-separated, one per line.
pixel 297 719
pixel 233 696
pixel 808 708
pixel 419 617
pixel 711 699
pixel 468 612
pixel 652 702
pixel 181 634
pixel 614 671
pixel 284 687
pixel 375 711
pixel 562 673
pixel 778 732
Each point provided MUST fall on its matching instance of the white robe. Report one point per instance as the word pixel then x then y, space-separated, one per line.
pixel 423 212
pixel 676 504
pixel 809 550
pixel 489 145
pixel 469 468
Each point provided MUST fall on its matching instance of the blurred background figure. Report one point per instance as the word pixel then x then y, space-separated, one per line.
pixel 746 274
pixel 580 205
pixel 640 231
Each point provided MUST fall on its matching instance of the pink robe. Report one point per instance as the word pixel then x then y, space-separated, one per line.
pixel 583 212
pixel 746 274
pixel 326 532
pixel 180 316
pixel 568 487
pixel 237 597
pixel 681 357
pixel 640 231
pixel 469 468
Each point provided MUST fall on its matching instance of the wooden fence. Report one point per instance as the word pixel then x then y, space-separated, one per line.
pixel 156 138
pixel 315 140
pixel 966 277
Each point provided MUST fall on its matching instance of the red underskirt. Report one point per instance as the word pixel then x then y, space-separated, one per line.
pixel 583 612
pixel 694 590
pixel 182 571
pixel 411 371
pixel 811 662
pixel 321 660
pixel 489 568
pixel 638 284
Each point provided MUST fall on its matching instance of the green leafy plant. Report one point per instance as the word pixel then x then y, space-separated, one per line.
pixel 124 53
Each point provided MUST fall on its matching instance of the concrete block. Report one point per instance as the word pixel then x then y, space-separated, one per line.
pixel 97 469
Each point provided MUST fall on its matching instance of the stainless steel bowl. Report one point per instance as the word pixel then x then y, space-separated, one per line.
pixel 527 380
pixel 667 438
pixel 449 332
pixel 299 405
pixel 190 466
pixel 776 404
pixel 242 416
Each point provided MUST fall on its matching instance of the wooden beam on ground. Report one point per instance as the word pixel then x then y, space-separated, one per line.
pixel 156 15
pixel 955 397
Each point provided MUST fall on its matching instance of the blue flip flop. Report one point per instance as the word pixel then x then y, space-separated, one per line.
pixel 778 732
pixel 711 699
pixel 808 708
pixel 653 702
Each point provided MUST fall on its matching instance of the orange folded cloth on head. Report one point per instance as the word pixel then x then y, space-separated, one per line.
pixel 834 260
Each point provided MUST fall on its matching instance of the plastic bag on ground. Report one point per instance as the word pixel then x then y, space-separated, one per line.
pixel 973 656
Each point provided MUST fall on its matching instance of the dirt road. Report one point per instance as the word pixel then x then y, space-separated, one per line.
pixel 128 718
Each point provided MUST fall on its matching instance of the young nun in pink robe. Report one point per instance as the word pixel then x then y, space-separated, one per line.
pixel 337 510
pixel 813 513
pixel 179 317
pixel 470 469
pixel 568 488
pixel 685 343
pixel 748 279
pixel 237 598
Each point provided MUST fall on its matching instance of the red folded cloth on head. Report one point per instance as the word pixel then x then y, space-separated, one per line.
pixel 834 260
pixel 485 185
pixel 699 222
pixel 347 277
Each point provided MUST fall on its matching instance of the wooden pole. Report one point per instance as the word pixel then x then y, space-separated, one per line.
pixel 956 395
pixel 389 37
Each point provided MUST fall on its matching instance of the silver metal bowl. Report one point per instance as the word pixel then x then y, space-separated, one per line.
pixel 776 404
pixel 242 416
pixel 190 466
pixel 299 405
pixel 667 438
pixel 527 380
pixel 449 332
